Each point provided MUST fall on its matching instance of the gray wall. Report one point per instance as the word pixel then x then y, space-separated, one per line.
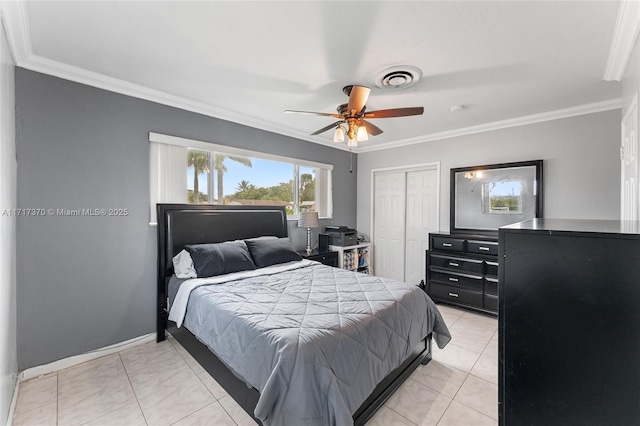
pixel 8 355
pixel 88 282
pixel 581 164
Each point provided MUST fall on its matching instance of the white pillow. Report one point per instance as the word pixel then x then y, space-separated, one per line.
pixel 183 265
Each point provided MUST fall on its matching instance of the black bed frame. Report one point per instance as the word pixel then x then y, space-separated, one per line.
pixel 181 224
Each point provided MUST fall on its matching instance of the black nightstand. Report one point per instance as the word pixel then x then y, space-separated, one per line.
pixel 329 258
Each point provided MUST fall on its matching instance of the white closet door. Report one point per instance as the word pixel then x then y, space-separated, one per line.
pixel 421 218
pixel 389 225
pixel 630 170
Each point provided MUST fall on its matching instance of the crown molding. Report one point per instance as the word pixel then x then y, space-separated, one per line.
pixel 14 14
pixel 101 81
pixel 503 124
pixel 625 35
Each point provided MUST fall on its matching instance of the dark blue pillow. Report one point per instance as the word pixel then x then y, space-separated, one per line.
pixel 272 252
pixel 210 260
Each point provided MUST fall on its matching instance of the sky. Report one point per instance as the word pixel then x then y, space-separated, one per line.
pixel 506 188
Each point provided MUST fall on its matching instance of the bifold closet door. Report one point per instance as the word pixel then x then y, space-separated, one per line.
pixel 405 211
pixel 389 224
pixel 421 219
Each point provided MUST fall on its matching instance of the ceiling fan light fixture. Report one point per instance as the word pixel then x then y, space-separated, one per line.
pixel 338 135
pixel 352 143
pixel 362 134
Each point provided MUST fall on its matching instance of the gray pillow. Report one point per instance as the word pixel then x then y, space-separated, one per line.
pixel 210 260
pixel 272 251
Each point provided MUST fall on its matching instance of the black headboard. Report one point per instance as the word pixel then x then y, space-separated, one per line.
pixel 182 224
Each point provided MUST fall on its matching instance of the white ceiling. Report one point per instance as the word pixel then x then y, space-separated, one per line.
pixel 247 62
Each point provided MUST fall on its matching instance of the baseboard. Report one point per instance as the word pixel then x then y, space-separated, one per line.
pixel 14 401
pixel 61 364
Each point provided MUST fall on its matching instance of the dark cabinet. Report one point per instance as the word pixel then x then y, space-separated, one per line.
pixel 463 270
pixel 329 258
pixel 569 325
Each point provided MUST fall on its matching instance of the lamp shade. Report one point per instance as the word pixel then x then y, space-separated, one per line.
pixel 362 134
pixel 338 135
pixel 308 220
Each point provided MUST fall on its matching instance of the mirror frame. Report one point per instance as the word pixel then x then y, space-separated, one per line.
pixel 537 184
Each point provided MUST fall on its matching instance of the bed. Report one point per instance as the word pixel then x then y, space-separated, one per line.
pixel 326 389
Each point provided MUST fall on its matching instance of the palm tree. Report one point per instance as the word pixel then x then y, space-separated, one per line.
pixel 199 160
pixel 222 169
pixel 243 186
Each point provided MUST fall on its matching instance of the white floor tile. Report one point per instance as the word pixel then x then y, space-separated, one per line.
pixel 236 412
pixel 418 403
pixel 129 415
pixel 36 393
pixel 175 402
pixel 460 415
pixel 92 404
pixel 456 357
pixel 46 415
pixel 480 395
pixel 387 417
pixel 212 414
pixel 440 377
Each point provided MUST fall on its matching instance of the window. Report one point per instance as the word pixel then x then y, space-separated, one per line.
pixel 194 172
pixel 502 197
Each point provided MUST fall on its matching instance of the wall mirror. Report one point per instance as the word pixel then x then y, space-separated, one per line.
pixel 484 198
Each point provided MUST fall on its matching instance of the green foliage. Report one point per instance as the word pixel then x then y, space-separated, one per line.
pixel 202 198
pixel 199 160
pixel 509 201
pixel 281 192
pixel 307 187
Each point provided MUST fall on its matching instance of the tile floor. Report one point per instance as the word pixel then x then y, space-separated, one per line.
pixel 134 387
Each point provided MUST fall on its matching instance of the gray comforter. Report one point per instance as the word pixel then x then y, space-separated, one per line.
pixel 314 340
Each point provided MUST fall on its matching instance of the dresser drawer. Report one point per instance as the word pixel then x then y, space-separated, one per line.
pixel 330 258
pixel 458 279
pixel 456 263
pixel 490 302
pixel 492 268
pixel 491 285
pixel 482 247
pixel 455 295
pixel 448 243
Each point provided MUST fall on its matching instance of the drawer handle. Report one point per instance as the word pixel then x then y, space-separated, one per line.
pixel 447 245
pixel 453 264
pixel 455 280
pixel 483 248
pixel 453 294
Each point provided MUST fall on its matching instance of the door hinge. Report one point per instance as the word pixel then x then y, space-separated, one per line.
pixel 622 152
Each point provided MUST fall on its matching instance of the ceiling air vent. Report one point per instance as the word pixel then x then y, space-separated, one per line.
pixel 399 77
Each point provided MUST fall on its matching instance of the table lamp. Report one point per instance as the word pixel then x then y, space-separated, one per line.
pixel 308 220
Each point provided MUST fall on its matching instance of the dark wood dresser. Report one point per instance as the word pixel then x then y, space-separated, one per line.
pixel 569 325
pixel 463 270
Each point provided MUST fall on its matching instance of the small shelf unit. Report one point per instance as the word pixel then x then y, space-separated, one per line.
pixel 354 258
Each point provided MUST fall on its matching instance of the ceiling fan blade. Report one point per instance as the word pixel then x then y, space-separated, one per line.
pixel 357 99
pixel 371 129
pixel 323 114
pixel 396 112
pixel 324 129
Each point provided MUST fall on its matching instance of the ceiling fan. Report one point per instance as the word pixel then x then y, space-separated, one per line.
pixel 354 113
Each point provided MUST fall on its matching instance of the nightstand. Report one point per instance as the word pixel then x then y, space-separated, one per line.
pixel 329 258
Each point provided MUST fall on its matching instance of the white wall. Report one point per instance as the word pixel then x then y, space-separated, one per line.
pixel 581 164
pixel 8 357
pixel 631 78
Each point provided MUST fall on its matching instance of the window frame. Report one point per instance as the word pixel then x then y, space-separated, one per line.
pixel 324 189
